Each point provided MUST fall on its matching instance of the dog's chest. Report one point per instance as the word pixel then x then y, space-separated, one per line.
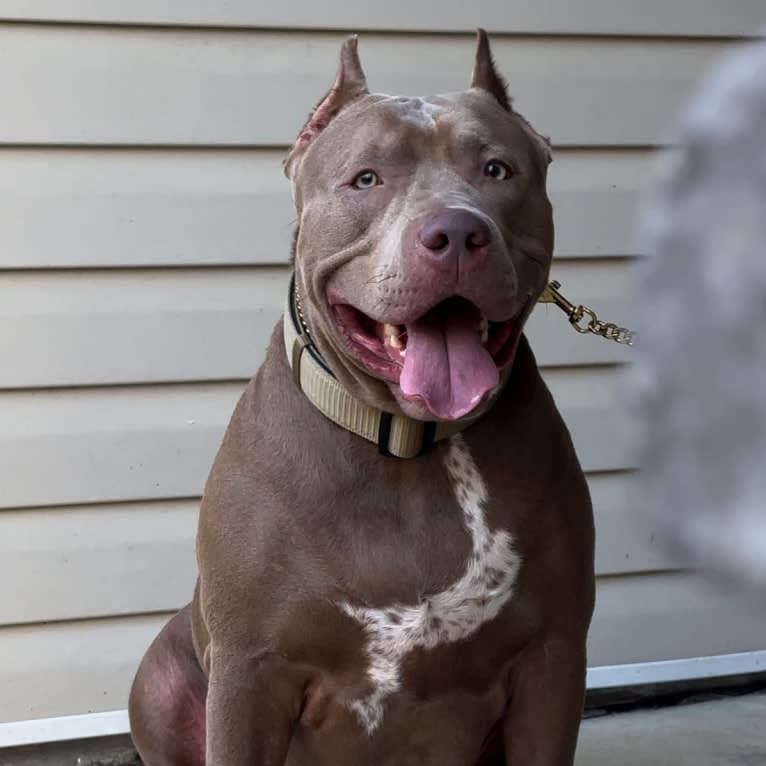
pixel 473 599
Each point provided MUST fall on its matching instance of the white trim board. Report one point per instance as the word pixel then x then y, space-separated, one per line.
pixel 689 669
pixel 65 728
pixel 39 730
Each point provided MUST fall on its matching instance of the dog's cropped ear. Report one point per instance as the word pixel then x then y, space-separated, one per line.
pixel 350 85
pixel 485 74
pixel 486 77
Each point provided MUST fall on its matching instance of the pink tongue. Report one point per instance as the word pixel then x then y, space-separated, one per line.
pixel 446 366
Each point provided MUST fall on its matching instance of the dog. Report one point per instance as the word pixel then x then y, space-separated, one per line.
pixel 395 542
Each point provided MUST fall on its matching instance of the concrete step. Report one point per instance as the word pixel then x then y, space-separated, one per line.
pixel 730 731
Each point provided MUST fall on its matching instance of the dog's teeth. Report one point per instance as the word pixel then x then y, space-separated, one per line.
pixel 392 335
pixel 484 329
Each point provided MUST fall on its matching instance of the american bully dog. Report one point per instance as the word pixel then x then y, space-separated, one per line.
pixel 395 543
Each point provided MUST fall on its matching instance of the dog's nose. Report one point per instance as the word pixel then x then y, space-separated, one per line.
pixel 455 233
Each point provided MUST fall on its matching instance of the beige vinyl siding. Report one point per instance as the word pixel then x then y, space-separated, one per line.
pixel 144 234
pixel 626 17
pixel 158 87
pixel 194 207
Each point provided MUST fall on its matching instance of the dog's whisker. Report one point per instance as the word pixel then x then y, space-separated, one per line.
pixel 377 279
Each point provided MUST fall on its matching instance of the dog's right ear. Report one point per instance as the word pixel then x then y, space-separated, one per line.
pixel 485 75
pixel 350 85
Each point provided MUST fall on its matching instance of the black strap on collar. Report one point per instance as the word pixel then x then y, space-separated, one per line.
pixel 429 437
pixel 384 433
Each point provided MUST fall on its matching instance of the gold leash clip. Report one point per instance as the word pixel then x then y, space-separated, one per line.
pixel 584 319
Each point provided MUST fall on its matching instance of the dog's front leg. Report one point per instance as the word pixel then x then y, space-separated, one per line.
pixel 546 703
pixel 252 707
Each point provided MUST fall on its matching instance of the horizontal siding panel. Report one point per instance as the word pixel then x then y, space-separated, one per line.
pixel 667 616
pixel 91 328
pixel 71 208
pixel 80 667
pixel 72 668
pixel 596 197
pixel 70 85
pixel 677 17
pixel 96 445
pixel 120 444
pixel 626 541
pixel 96 561
pixel 107 560
pixel 143 208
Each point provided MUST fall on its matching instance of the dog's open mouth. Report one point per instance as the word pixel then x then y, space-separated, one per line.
pixel 450 358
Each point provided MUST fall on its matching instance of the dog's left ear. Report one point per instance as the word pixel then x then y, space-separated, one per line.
pixel 485 74
pixel 350 84
pixel 486 77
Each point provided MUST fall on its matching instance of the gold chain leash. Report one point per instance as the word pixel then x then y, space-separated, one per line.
pixel 584 319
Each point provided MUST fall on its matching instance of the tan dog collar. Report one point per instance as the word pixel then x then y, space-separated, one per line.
pixel 395 435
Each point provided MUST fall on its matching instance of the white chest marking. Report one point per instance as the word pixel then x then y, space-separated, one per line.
pixel 451 615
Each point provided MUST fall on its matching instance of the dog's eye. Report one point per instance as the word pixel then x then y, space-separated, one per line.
pixel 497 170
pixel 366 180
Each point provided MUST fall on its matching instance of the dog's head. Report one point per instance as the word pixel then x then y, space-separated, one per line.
pixel 425 237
